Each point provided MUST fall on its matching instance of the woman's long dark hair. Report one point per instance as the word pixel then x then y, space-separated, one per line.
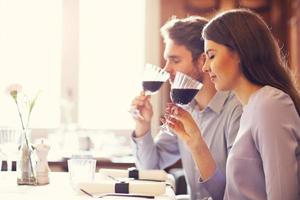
pixel 246 33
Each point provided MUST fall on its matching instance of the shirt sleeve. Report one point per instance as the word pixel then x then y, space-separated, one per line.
pixel 233 125
pixel 155 154
pixel 215 185
pixel 276 136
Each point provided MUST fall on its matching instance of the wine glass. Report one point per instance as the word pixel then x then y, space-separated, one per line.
pixel 152 79
pixel 183 90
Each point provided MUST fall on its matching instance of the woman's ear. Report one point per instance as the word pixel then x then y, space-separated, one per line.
pixel 236 56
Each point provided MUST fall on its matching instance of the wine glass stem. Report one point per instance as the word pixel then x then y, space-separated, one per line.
pixel 165 128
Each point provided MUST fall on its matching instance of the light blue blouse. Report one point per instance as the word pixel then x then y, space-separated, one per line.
pixel 264 162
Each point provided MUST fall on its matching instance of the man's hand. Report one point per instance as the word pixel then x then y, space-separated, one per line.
pixel 143 122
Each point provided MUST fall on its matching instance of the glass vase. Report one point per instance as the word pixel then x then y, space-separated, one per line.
pixel 26 170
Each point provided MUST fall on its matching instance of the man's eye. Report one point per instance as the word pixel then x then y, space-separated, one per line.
pixel 211 56
pixel 176 61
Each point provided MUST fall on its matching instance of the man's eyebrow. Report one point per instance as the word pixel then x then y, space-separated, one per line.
pixel 173 56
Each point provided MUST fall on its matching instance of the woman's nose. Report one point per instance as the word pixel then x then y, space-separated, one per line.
pixel 206 67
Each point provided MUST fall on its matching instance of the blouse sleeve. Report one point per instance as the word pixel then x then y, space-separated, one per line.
pixel 276 136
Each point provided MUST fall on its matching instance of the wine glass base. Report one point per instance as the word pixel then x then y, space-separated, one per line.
pixel 165 129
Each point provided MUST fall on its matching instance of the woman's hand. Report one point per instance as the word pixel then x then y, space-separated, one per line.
pixel 182 124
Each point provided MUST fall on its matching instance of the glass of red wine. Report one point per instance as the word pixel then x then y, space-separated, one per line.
pixel 152 80
pixel 183 90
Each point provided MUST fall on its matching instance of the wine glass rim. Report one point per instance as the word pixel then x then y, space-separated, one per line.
pixel 155 73
pixel 184 81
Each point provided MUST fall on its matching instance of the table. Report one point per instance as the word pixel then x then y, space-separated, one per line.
pixel 59 164
pixel 59 188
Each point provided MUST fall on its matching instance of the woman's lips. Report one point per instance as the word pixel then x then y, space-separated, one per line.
pixel 213 78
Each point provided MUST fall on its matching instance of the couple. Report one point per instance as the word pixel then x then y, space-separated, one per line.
pixel 240 136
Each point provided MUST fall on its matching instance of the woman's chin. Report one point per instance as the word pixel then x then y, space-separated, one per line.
pixel 221 87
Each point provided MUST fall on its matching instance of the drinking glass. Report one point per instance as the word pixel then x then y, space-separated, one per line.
pixel 152 80
pixel 9 140
pixel 81 170
pixel 183 90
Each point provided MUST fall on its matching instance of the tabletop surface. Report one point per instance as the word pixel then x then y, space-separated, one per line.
pixel 59 188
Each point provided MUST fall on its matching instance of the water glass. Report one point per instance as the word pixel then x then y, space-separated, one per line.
pixel 9 141
pixel 81 170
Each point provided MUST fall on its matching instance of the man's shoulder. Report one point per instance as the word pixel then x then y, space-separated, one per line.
pixel 232 105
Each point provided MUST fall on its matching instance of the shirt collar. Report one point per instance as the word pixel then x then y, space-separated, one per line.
pixel 217 102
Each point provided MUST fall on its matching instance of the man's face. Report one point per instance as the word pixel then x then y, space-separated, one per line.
pixel 179 58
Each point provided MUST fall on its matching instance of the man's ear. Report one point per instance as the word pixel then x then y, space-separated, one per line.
pixel 201 61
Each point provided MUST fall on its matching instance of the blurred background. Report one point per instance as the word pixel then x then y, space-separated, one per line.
pixel 86 57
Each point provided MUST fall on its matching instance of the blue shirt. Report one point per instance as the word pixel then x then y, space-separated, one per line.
pixel 219 124
pixel 264 162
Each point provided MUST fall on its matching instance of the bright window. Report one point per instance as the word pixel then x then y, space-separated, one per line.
pixel 36 37
pixel 111 58
pixel 30 54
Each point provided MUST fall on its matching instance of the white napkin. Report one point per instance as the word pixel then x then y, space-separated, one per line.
pixel 135 187
pixel 158 175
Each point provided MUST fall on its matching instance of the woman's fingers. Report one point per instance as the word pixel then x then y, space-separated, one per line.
pixel 178 128
pixel 184 117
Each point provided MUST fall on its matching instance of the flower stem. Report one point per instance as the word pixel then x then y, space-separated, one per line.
pixel 20 115
pixel 26 139
pixel 31 162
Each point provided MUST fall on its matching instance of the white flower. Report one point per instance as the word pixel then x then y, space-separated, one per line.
pixel 13 90
pixel 24 104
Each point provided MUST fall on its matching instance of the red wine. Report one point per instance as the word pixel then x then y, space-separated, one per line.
pixel 152 86
pixel 183 96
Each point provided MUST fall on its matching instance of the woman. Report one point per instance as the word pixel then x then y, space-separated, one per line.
pixel 264 162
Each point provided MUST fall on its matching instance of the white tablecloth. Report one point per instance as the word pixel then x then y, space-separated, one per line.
pixel 59 188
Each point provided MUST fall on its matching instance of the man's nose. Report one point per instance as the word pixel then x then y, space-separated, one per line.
pixel 168 67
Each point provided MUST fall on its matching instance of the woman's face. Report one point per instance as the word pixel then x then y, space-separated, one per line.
pixel 222 65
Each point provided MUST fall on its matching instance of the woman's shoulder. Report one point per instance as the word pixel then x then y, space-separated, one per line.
pixel 269 97
pixel 272 114
pixel 272 105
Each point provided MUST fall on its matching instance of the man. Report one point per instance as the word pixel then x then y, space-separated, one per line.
pixel 216 113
